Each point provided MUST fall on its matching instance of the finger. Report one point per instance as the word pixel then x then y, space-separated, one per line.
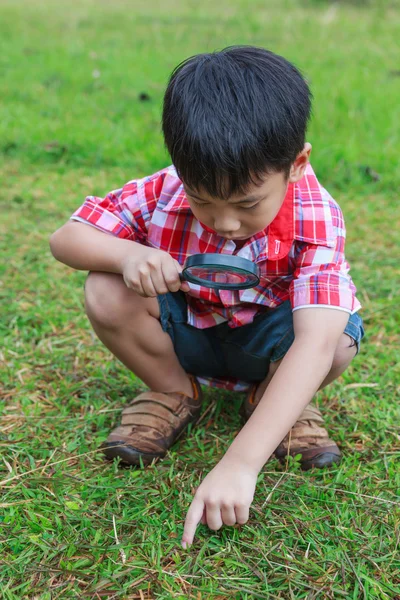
pixel 184 286
pixel 178 266
pixel 214 519
pixel 193 518
pixel 136 286
pixel 242 514
pixel 147 285
pixel 157 278
pixel 171 275
pixel 228 515
pixel 204 515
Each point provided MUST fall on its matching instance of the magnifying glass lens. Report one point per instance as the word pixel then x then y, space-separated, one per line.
pixel 221 271
pixel 219 275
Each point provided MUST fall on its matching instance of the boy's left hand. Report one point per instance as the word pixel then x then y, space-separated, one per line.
pixel 224 497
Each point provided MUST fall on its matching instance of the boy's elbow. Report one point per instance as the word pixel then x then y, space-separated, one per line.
pixel 55 243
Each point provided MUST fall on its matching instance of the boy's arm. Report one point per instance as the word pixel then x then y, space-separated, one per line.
pixel 147 271
pixel 104 231
pixel 86 248
pixel 226 493
pixel 304 367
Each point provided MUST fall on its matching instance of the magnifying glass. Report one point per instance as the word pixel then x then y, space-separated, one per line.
pixel 220 271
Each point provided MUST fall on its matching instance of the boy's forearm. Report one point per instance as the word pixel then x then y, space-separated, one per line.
pixel 86 248
pixel 291 389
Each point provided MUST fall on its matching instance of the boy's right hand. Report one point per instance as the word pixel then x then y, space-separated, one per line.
pixel 150 272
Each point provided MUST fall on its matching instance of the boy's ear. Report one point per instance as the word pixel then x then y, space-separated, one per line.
pixel 299 166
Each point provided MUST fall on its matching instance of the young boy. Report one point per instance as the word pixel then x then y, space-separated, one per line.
pixel 234 123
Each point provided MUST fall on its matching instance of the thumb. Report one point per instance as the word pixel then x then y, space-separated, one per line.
pixel 184 284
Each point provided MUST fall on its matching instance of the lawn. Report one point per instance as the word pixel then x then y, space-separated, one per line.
pixel 81 88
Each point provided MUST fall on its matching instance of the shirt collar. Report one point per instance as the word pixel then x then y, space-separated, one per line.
pixel 281 230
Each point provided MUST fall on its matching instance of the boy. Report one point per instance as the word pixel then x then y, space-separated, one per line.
pixel 234 123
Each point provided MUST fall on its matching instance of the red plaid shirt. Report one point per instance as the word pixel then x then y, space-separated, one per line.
pixel 300 254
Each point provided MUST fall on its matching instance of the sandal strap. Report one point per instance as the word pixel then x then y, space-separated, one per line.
pixel 307 432
pixel 169 400
pixel 162 426
pixel 153 420
pixel 311 414
pixel 143 411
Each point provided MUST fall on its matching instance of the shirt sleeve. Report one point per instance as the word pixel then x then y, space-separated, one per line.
pixel 120 212
pixel 321 275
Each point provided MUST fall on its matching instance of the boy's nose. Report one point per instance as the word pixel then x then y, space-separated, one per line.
pixel 226 226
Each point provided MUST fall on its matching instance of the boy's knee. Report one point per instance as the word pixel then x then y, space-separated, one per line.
pixel 103 297
pixel 111 303
pixel 345 352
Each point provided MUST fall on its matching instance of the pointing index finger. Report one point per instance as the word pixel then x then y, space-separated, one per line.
pixel 193 518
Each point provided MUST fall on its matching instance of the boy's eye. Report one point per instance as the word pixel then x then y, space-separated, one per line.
pixel 250 207
pixel 199 203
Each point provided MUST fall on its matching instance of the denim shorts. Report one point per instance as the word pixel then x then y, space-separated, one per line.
pixel 243 353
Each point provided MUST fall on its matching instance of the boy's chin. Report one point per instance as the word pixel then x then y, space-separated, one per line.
pixel 240 238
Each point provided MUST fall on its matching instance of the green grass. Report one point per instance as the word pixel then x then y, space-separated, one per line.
pixel 71 124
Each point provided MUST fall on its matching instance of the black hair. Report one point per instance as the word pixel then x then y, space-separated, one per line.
pixel 232 116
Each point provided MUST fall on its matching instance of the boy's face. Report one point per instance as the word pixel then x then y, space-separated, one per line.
pixel 241 217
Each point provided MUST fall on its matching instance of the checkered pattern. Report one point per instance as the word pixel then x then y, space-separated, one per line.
pixel 300 254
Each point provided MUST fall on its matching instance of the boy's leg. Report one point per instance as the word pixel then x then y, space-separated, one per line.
pixel 129 326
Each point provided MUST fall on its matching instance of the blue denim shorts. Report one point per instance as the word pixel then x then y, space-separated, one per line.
pixel 242 353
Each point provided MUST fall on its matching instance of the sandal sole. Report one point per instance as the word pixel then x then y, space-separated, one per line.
pixel 321 461
pixel 318 458
pixel 128 454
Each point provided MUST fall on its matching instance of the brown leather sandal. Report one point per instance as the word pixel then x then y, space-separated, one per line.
pixel 307 437
pixel 151 423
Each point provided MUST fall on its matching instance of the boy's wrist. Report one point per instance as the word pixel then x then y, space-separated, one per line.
pixel 239 461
